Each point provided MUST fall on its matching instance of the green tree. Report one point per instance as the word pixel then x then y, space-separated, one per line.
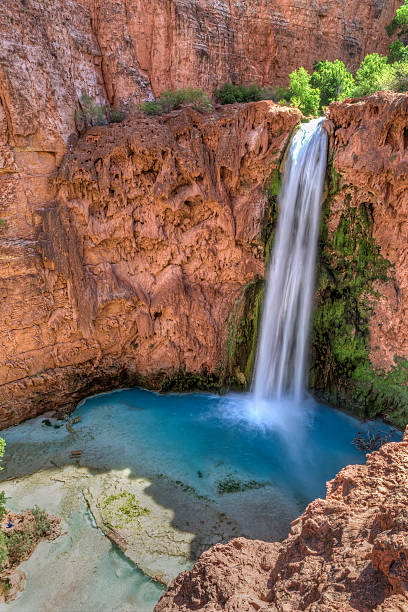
pixel 396 78
pixel 334 81
pixel 372 74
pixel 397 52
pixel 302 93
pixel 229 93
pixel 401 18
pixel 400 22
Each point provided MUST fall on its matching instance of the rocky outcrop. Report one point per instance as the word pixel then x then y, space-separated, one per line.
pixel 371 156
pixel 361 327
pixel 131 272
pixel 345 553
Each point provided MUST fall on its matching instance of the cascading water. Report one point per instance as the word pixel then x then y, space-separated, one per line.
pixel 283 347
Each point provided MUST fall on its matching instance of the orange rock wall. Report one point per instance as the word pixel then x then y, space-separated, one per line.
pixel 64 250
pixel 134 267
pixel 371 155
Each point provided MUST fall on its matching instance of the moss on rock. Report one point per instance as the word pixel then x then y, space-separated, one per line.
pixel 350 264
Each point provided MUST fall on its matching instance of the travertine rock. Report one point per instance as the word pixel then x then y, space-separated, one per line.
pixel 134 268
pixel 371 154
pixel 345 553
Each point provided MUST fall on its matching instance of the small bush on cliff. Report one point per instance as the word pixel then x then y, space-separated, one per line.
pixel 92 113
pixel 230 94
pixel 170 100
pixel 333 80
pixel 302 93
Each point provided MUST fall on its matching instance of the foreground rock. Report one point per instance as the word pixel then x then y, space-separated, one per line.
pixel 130 274
pixel 346 553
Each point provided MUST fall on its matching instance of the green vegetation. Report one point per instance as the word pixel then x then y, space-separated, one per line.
pixel 183 381
pixel 399 24
pixel 302 93
pixel 350 265
pixel 170 100
pixel 333 80
pixel 122 509
pixel 231 484
pixel 371 74
pixel 91 113
pixel 16 545
pixel 229 93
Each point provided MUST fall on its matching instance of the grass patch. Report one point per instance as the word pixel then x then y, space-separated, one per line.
pixel 123 509
pixel 170 100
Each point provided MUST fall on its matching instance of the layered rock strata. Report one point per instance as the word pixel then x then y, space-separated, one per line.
pixel 346 553
pixel 130 272
pixel 121 51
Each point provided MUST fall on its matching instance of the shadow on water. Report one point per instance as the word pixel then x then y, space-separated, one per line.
pixel 257 466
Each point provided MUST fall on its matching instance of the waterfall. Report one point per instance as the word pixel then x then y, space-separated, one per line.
pixel 283 347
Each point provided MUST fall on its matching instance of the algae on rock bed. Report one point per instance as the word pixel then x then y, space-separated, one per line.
pixel 350 264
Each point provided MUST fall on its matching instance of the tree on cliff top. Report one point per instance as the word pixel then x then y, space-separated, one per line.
pixel 400 22
pixel 303 94
pixel 333 80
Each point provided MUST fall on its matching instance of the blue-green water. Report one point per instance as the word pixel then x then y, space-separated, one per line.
pixel 206 442
pixel 199 439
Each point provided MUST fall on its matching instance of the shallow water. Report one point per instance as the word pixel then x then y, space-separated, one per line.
pixel 280 456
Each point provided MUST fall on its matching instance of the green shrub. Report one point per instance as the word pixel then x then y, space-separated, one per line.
pixel 230 94
pixel 395 78
pixel 397 52
pixel 370 77
pixel 115 115
pixel 401 19
pixel 170 100
pixel 302 93
pixel 91 113
pixel 151 108
pixel 19 545
pixel 333 80
pixel 42 524
pixel 3 549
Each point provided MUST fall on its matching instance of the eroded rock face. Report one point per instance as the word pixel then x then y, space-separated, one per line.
pixel 123 51
pixel 371 155
pixel 347 552
pixel 132 271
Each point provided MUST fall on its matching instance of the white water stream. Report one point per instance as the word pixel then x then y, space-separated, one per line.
pixel 283 346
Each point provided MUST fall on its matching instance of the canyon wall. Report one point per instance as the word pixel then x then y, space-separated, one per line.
pixel 346 553
pixel 360 340
pixel 82 248
pixel 130 273
pixel 122 51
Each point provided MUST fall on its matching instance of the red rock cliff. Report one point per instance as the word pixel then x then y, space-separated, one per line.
pixel 346 553
pixel 133 268
pixel 371 155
